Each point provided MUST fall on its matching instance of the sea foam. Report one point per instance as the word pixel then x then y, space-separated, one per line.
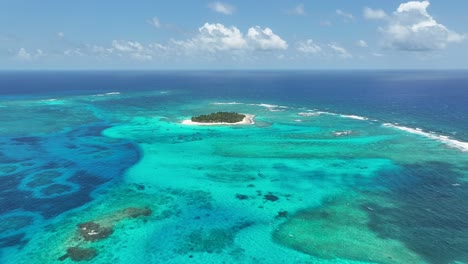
pixel 106 94
pixel 228 103
pixel 308 114
pixel 355 117
pixel 272 108
pixel 463 146
pixel 51 101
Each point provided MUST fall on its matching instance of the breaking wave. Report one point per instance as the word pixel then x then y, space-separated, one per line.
pixel 463 146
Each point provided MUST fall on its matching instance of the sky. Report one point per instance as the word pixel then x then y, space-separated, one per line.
pixel 262 34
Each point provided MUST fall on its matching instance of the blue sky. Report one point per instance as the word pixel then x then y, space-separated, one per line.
pixel 150 34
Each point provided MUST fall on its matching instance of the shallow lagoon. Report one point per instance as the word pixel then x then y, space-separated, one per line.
pixel 320 187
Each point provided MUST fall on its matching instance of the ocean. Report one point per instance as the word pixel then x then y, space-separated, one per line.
pixel 339 167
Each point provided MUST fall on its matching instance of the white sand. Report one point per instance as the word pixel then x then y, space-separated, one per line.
pixel 248 120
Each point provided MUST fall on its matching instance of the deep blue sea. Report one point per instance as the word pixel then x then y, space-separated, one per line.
pixel 436 100
pixel 339 167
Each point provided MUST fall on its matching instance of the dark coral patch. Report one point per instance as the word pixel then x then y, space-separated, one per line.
pixel 209 241
pixel 56 189
pixel 270 197
pixel 92 231
pixel 134 212
pixel 242 196
pixel 8 169
pixel 14 240
pixel 39 182
pixel 80 254
pixel 27 140
pixel 43 178
pixel 48 174
pixel 431 217
pixel 16 222
pixel 282 214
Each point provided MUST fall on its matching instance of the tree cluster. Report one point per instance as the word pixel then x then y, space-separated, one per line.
pixel 225 117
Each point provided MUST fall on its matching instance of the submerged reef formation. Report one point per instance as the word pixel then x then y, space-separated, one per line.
pixel 339 229
pixel 231 172
pixel 92 231
pixel 210 241
pixel 43 178
pixel 270 197
pixel 13 223
pixel 99 229
pixel 214 240
pixel 79 254
pixel 56 189
pixel 7 169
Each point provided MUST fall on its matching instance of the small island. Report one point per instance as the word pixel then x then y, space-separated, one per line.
pixel 227 117
pixel 221 118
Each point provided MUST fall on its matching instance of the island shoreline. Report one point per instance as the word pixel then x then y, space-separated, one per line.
pixel 248 120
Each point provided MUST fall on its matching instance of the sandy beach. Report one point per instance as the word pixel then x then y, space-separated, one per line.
pixel 248 120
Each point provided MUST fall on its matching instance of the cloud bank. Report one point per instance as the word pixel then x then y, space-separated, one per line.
pixel 211 39
pixel 412 28
pixel 299 10
pixel 345 15
pixel 222 8
pixel 374 14
pixel 332 49
pixel 25 55
pixel 217 37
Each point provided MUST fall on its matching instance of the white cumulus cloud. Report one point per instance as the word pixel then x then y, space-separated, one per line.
pixel 265 39
pixel 119 49
pixel 325 23
pixel 412 28
pixel 222 8
pixel 127 46
pixel 141 57
pixel 340 51
pixel 330 50
pixel 74 52
pixel 25 55
pixel 374 14
pixel 345 15
pixel 213 41
pixel 217 37
pixel 155 22
pixel 361 43
pixel 298 10
pixel 132 49
pixel 308 46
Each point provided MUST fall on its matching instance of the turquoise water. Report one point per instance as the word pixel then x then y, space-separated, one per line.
pixel 304 184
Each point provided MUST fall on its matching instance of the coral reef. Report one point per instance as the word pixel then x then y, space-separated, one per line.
pixel 339 229
pixel 92 231
pixel 271 197
pixel 99 229
pixel 79 254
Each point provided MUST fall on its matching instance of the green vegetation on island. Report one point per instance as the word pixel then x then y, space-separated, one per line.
pixel 219 117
